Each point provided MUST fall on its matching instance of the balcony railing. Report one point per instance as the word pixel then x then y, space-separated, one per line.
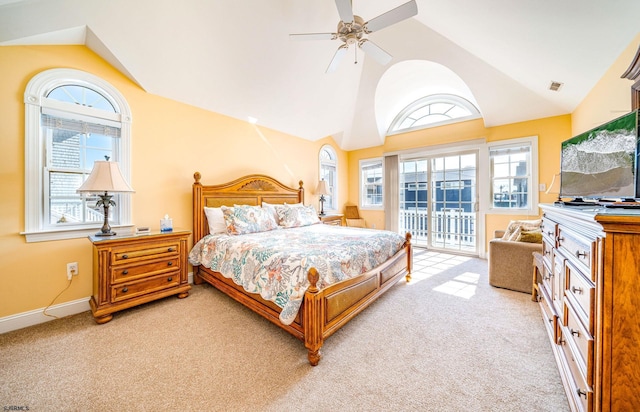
pixel 450 228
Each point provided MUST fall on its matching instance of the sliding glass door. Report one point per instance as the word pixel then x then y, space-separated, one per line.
pixel 438 201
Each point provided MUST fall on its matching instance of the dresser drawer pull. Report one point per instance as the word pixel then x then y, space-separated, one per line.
pixel 125 290
pixel 169 279
pixel 580 254
pixel 582 393
pixel 549 232
pixel 576 290
pixel 560 239
pixel 125 272
pixel 169 263
pixel 125 256
pixel 171 249
pixel 575 332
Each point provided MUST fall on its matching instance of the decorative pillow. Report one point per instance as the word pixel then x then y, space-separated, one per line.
pixel 297 215
pixel 530 236
pixel 242 219
pixel 517 226
pixel 215 219
pixel 271 209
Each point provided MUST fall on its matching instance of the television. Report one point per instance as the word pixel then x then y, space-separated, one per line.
pixel 602 163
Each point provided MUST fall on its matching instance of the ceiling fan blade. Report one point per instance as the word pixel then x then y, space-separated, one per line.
pixel 313 36
pixel 375 51
pixel 396 15
pixel 344 10
pixel 337 58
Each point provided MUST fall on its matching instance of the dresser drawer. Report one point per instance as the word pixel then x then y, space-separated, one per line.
pixel 581 292
pixel 125 273
pixel 549 228
pixel 548 315
pixel 130 290
pixel 143 252
pixel 579 249
pixel 558 285
pixel 547 252
pixel 580 392
pixel 580 340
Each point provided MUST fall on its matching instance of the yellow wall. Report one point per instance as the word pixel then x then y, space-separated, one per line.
pixel 550 131
pixel 169 143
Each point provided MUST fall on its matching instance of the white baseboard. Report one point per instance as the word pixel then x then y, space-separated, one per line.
pixel 34 317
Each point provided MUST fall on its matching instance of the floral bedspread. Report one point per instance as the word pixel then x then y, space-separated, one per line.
pixel 275 263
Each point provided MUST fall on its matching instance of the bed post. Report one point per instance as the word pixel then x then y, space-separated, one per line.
pixel 312 317
pixel 198 210
pixel 409 249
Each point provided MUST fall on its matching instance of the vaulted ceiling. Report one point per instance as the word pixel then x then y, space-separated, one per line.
pixel 235 57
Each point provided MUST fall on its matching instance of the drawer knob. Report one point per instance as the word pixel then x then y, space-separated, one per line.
pixel 169 263
pixel 169 279
pixel 580 254
pixel 171 249
pixel 549 233
pixel 560 239
pixel 576 290
pixel 582 393
pixel 575 332
pixel 125 256
pixel 125 272
pixel 125 290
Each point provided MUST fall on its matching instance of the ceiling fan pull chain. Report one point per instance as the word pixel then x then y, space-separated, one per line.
pixel 356 55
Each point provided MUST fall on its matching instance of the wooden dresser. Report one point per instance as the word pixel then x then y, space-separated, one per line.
pixel 135 269
pixel 590 300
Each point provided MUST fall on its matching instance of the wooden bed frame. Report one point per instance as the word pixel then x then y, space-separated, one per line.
pixel 323 311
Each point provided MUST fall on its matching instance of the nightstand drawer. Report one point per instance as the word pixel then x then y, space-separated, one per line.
pixel 148 285
pixel 156 250
pixel 125 273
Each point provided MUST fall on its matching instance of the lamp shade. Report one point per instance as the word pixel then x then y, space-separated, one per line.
pixel 105 177
pixel 323 188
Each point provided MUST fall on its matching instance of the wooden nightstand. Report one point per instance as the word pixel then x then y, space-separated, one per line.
pixel 134 269
pixel 335 220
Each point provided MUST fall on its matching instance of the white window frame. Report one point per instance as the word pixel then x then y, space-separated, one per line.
pixel 331 205
pixel 35 100
pixel 364 204
pixel 532 209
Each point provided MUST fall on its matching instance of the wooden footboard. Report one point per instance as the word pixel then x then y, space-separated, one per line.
pixel 323 311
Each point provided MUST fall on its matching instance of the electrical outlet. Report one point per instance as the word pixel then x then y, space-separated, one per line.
pixel 72 270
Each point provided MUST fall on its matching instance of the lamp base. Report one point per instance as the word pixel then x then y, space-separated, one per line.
pixel 106 234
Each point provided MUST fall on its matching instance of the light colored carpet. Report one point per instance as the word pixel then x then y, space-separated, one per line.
pixel 445 342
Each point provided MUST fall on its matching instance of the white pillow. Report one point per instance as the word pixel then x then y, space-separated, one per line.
pixel 215 218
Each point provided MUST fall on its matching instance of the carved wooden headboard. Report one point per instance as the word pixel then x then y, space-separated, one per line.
pixel 247 190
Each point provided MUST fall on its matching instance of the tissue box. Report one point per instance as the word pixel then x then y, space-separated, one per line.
pixel 166 225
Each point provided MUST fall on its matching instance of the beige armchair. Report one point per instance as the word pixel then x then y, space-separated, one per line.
pixel 511 263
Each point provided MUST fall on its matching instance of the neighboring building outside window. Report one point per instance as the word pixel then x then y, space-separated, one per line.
pixel 329 172
pixel 72 119
pixel 434 110
pixel 371 184
pixel 511 176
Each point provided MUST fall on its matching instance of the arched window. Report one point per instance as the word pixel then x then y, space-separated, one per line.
pixel 434 110
pixel 72 119
pixel 329 173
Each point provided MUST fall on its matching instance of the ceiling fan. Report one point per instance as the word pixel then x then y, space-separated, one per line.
pixel 353 29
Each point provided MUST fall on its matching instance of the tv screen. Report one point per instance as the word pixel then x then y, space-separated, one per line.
pixel 602 163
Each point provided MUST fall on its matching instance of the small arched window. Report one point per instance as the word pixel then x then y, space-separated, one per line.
pixel 329 173
pixel 72 119
pixel 434 110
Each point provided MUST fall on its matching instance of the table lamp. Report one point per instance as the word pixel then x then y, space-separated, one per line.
pixel 105 177
pixel 322 190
